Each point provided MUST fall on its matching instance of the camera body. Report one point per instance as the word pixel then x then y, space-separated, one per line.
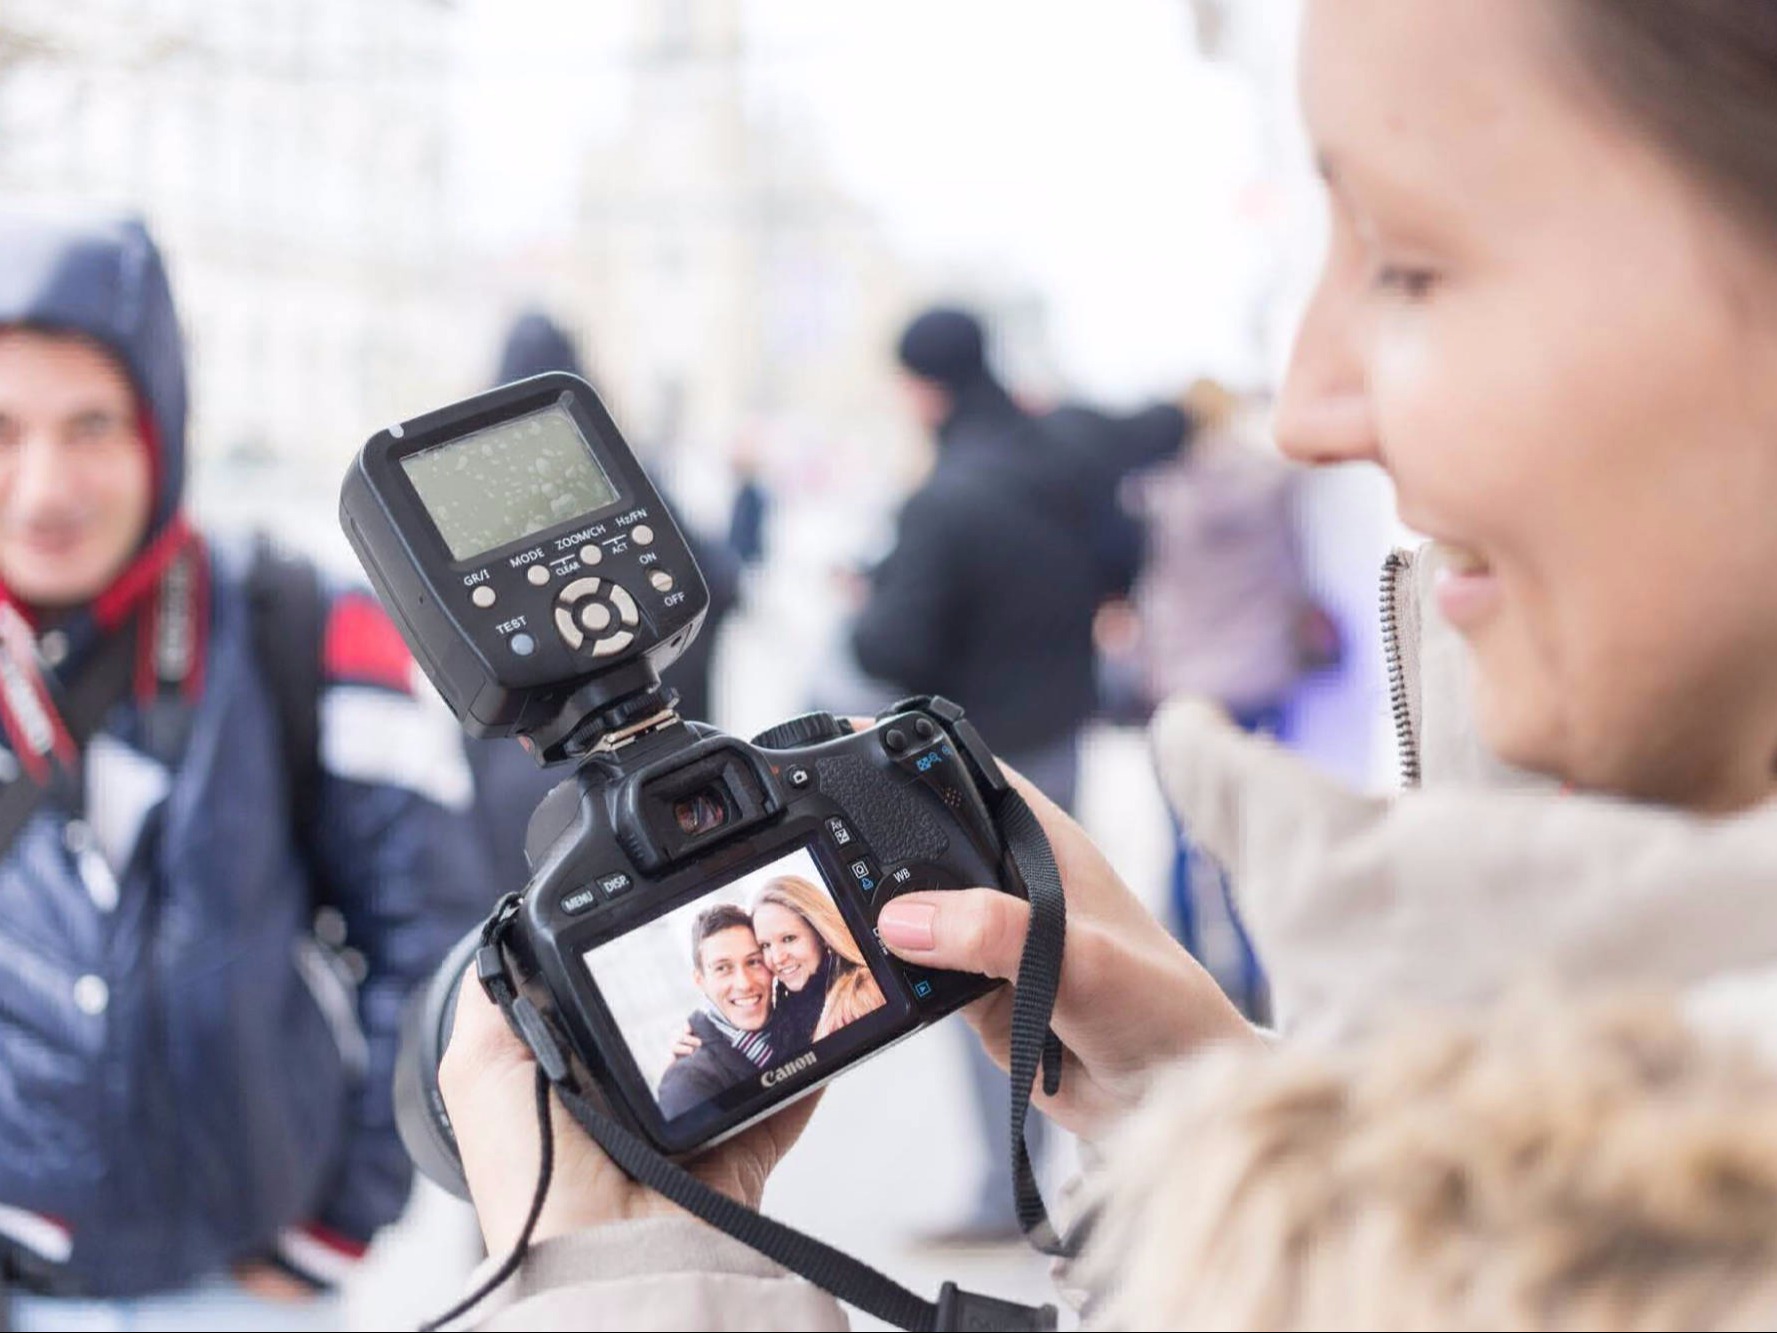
pixel 697 939
pixel 621 848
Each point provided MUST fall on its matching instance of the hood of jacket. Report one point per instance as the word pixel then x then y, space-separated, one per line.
pixel 1479 879
pixel 536 344
pixel 101 276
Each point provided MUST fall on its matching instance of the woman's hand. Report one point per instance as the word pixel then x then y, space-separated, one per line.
pixel 1130 997
pixel 686 1043
pixel 488 1079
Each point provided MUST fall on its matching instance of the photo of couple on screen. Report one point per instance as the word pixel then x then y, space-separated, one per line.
pixel 772 969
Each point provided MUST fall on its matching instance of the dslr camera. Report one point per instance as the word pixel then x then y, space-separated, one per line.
pixel 697 938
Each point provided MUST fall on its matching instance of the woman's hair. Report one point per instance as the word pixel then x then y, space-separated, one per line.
pixel 1551 1166
pixel 1701 77
pixel 852 992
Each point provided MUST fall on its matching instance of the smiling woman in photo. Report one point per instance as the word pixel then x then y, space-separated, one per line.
pixel 821 980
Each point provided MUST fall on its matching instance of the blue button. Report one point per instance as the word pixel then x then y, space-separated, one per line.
pixel 523 644
pixel 866 884
pixel 922 989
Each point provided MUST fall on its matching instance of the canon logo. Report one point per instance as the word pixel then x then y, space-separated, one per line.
pixel 782 1072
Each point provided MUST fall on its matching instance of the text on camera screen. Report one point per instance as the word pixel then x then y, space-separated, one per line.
pixel 508 482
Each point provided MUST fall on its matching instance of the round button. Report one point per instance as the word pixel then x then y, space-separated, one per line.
pixel 596 617
pixel 538 575
pixel 591 555
pixel 523 644
pixel 642 535
pixel 662 581
pixel 799 778
pixel 894 740
pixel 91 995
pixel 483 596
pixel 924 728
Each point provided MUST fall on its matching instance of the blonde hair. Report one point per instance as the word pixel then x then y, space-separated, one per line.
pixel 1552 1166
pixel 851 992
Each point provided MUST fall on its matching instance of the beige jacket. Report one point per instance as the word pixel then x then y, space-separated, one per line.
pixel 1361 907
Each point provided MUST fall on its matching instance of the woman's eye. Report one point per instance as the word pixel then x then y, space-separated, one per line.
pixel 1413 283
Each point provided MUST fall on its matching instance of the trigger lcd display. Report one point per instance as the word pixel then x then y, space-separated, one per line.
pixel 509 482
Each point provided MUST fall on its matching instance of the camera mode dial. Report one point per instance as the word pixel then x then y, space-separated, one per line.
pixel 809 729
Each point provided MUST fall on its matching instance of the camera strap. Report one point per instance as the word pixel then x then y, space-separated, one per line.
pixel 1034 1047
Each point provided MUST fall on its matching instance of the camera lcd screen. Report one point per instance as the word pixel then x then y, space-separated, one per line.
pixel 508 482
pixel 737 990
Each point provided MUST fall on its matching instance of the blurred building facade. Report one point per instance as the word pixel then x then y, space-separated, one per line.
pixel 291 160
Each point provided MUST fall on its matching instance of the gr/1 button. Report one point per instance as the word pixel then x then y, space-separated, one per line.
pixel 484 596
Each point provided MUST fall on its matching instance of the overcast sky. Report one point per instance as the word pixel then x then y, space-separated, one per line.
pixel 1088 149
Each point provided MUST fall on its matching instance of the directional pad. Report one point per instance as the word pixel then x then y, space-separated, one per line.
pixel 590 608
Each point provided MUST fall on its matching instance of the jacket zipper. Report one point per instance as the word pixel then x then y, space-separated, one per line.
pixel 1405 743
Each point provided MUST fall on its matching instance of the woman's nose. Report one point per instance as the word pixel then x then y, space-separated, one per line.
pixel 1324 414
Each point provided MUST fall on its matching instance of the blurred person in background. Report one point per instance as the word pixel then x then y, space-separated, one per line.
pixel 1549 310
pixel 508 782
pixel 749 515
pixel 987 598
pixel 206 752
pixel 1222 612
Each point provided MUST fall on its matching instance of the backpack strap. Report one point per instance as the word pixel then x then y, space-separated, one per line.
pixel 288 623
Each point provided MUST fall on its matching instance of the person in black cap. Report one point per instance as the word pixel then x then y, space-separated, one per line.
pixel 1001 560
pixel 1004 555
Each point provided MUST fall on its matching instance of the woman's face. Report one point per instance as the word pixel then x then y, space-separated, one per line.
pixel 1565 356
pixel 792 949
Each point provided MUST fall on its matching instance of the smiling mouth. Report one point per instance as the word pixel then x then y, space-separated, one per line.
pixel 1464 585
pixel 1460 561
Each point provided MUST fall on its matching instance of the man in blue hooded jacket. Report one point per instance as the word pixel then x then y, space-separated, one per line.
pixel 194 1092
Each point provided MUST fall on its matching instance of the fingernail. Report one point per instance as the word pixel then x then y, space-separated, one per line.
pixel 907 925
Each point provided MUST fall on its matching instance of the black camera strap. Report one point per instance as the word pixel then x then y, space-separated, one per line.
pixel 1034 1046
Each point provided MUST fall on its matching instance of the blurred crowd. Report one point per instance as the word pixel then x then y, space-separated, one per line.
pixel 198 1071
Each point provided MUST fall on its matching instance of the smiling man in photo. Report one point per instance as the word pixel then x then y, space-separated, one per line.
pixel 728 966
